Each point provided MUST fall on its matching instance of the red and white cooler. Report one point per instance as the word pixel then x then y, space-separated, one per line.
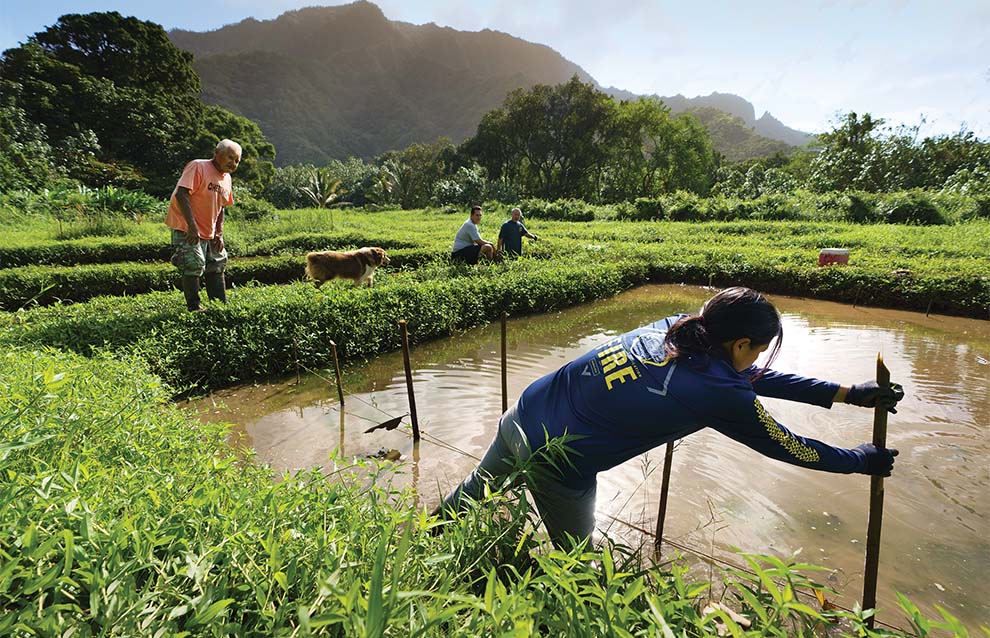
pixel 833 256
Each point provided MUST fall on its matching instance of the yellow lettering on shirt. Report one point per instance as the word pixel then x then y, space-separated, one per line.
pixel 610 361
pixel 619 375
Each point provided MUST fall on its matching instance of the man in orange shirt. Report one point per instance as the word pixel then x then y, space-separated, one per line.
pixel 195 215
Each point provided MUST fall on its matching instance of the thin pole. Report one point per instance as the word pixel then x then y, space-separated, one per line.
pixel 409 383
pixel 876 501
pixel 668 460
pixel 415 473
pixel 295 354
pixel 505 391
pixel 336 372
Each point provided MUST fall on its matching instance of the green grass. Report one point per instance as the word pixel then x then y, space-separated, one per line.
pixel 121 515
pixel 931 268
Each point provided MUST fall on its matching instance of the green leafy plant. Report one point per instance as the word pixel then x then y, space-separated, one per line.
pixel 322 189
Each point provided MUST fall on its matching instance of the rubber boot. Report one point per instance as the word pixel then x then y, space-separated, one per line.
pixel 216 287
pixel 190 288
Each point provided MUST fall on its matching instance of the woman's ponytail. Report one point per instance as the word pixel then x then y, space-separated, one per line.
pixel 689 336
pixel 734 313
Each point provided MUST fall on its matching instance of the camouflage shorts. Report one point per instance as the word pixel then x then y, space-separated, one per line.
pixel 195 259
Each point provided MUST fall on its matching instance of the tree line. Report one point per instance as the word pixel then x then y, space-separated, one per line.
pixel 107 100
pixel 101 99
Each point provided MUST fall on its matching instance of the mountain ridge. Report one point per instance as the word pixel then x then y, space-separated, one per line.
pixel 331 82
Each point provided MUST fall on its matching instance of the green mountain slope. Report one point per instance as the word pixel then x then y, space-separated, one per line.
pixel 733 138
pixel 333 82
pixel 330 82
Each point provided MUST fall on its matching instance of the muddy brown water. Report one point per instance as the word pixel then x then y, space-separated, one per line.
pixel 936 521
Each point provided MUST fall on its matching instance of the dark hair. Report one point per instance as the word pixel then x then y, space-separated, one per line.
pixel 475 208
pixel 734 313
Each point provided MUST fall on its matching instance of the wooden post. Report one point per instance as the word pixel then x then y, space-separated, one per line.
pixel 415 473
pixel 876 501
pixel 505 391
pixel 336 372
pixel 295 354
pixel 409 383
pixel 668 460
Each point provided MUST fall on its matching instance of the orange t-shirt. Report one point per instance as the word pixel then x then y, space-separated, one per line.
pixel 209 191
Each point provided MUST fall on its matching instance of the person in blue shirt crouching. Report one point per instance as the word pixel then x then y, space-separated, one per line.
pixel 657 384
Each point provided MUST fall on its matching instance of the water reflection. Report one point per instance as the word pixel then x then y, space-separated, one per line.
pixel 935 548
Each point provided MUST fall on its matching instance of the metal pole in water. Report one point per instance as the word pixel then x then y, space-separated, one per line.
pixel 876 502
pixel 668 460
pixel 505 392
pixel 336 371
pixel 409 383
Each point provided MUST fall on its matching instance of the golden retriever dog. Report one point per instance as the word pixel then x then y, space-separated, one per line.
pixel 357 265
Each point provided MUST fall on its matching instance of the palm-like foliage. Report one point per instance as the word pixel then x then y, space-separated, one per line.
pixel 323 189
pixel 397 179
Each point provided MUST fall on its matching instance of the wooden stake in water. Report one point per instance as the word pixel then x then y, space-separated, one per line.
pixel 409 383
pixel 876 501
pixel 668 460
pixel 295 354
pixel 336 372
pixel 505 391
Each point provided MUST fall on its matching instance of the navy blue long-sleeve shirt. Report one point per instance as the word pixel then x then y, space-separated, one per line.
pixel 625 397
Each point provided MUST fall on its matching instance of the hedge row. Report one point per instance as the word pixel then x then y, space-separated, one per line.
pixel 263 329
pixel 959 286
pixel 46 285
pixel 907 207
pixel 915 207
pixel 88 250
pixel 951 294
pixel 105 250
pixel 304 242
pixel 569 210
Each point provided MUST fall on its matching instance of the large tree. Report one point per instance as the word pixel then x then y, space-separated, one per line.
pixel 127 51
pixel 654 153
pixel 409 175
pixel 118 102
pixel 572 140
pixel 25 155
pixel 860 153
pixel 551 140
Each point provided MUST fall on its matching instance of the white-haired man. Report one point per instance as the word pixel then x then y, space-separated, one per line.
pixel 195 215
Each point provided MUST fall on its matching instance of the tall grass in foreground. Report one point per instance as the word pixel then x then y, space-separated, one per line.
pixel 120 516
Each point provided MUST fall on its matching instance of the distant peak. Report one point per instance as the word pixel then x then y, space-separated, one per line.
pixel 355 8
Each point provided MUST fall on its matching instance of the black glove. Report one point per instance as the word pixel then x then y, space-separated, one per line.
pixel 871 395
pixel 879 460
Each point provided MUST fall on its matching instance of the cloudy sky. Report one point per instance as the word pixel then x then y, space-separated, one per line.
pixel 804 61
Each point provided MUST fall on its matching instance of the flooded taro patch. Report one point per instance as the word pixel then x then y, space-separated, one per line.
pixel 723 495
